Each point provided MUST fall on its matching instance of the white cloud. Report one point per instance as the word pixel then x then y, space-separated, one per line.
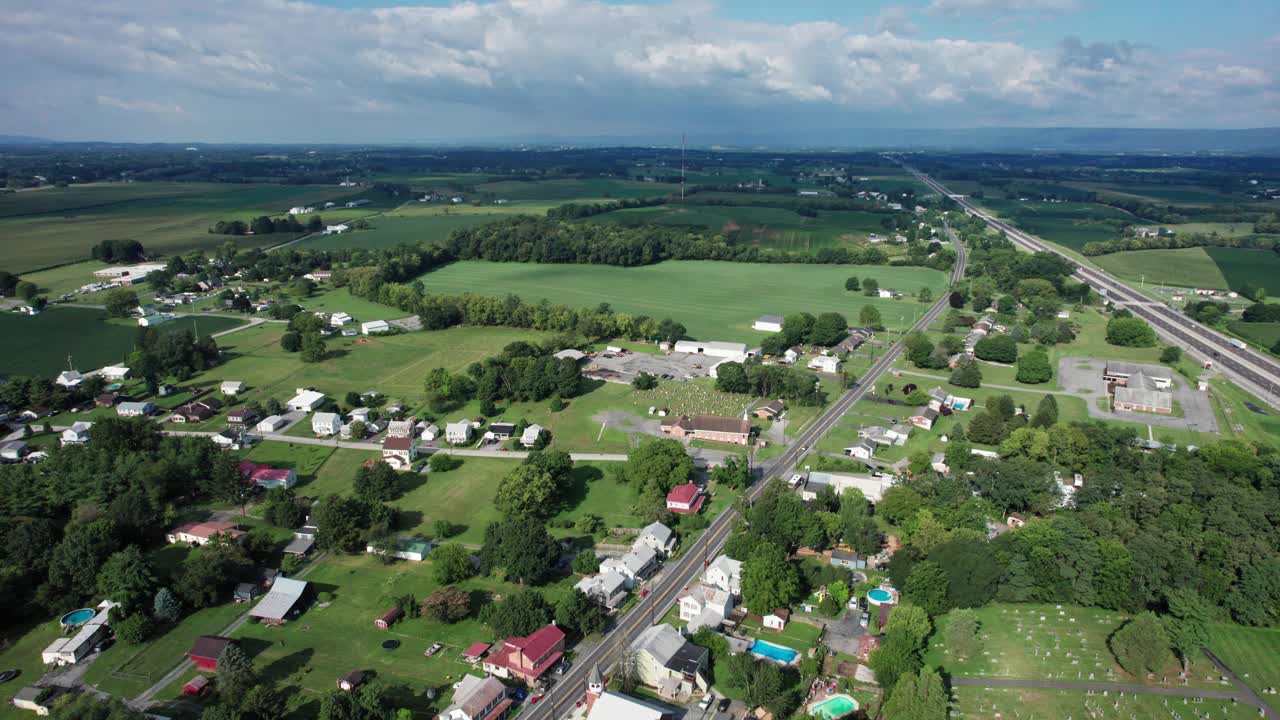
pixel 271 70
pixel 993 8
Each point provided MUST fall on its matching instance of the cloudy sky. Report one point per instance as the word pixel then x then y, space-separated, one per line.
pixel 360 70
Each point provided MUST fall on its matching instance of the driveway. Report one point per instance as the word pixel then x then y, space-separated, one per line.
pixel 843 635
pixel 1083 377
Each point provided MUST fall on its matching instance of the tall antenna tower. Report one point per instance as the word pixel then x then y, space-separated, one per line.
pixel 682 143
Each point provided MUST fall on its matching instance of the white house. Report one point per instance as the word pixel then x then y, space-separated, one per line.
pixel 776 620
pixel 228 439
pixel 335 229
pixel 768 323
pixel 429 432
pixel 898 433
pixel 399 452
pixel 300 210
pixel 339 319
pixel 69 378
pixel 793 354
pixel 530 436
pixel 77 434
pixel 374 327
pixel 114 372
pixel 634 566
pixel 306 400
pixel 361 414
pixel 608 588
pixel 705 606
pixel 134 409
pixel 271 424
pixel 886 294
pixel 657 537
pixel 157 319
pixel 863 449
pixel 711 348
pixel 825 363
pixel 232 387
pixel 458 432
pixel 724 573
pixel 326 423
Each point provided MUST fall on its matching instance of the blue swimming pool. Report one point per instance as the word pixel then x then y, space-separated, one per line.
pixel 77 618
pixel 784 655
pixel 879 595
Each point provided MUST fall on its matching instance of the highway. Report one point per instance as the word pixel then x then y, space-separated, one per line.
pixel 1252 370
pixel 676 575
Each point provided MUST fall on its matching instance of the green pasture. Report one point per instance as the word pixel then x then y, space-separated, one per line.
pixel 56 226
pixel 38 346
pixel 1252 654
pixel 1070 224
pixel 714 300
pixel 1184 267
pixel 568 190
pixel 1161 193
pixel 977 703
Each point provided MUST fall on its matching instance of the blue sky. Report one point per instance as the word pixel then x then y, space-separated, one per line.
pixel 356 70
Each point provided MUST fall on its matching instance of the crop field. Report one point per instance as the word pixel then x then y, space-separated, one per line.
pixel 776 228
pixel 1264 334
pixel 49 227
pixel 1184 267
pixel 714 300
pixel 1162 194
pixel 1052 642
pixel 394 365
pixel 974 703
pixel 38 346
pixel 1069 224
pixel 1251 653
pixel 569 190
pixel 1259 268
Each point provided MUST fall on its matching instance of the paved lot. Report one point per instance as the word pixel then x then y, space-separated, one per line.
pixel 1083 377
pixel 680 366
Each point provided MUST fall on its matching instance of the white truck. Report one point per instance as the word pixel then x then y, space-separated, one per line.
pixel 1237 342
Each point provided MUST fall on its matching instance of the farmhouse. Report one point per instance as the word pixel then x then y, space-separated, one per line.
pixel 134 409
pixel 607 589
pixel 711 348
pixel 242 416
pixel 771 410
pixel 768 323
pixel 825 363
pixel 716 428
pixel 375 327
pixel 527 658
pixel 685 499
pixel 232 387
pixel 326 423
pixel 531 436
pixel 478 699
pixel 271 424
pixel 200 533
pixel 657 537
pixel 399 452
pixel 668 662
pixel 77 434
pixel 305 400
pixel 206 650
pixel 458 432
pixel 279 604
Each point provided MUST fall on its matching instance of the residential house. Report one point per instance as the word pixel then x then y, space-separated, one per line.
pixel 607 589
pixel 456 433
pixel 242 417
pixel 266 476
pixel 229 439
pixel 704 606
pixel 13 451
pixel 724 573
pixel 232 387
pixel 196 411
pixel 500 431
pixel 924 417
pixel 939 463
pixel 848 559
pixel 887 293
pixel 854 341
pixel 635 566
pixel 1015 520
pixel 319 275
pixel 200 533
pixel 326 423
pixel 339 319
pixel 106 400
pixel 69 378
pixel 271 424
pixel 711 348
pixel 685 499
pixel 768 323
pixel 478 699
pixel 871 486
pixel 657 537
pixel 413 549
pixel 792 354
pixel 401 428
pixel 771 410
pixel 360 414
pixel 899 433
pixel 667 661
pixel 825 363
pixel 336 229
pixel 715 428
pixel 246 592
pixel 776 620
pixel 134 409
pixel 429 431
pixel 863 449
pixel 528 658
pixel 939 398
pixel 306 400
pixel 374 327
pixel 206 650
pixel 77 434
pixel 531 436
pixel 399 452
pixel 114 373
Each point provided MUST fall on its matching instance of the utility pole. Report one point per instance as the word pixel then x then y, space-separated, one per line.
pixel 682 144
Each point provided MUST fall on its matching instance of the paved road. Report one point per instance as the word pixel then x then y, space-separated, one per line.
pixel 1252 370
pixel 678 574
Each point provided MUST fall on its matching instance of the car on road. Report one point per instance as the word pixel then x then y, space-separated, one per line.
pixel 705 703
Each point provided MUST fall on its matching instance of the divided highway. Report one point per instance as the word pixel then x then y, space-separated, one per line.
pixel 1255 371
pixel 664 588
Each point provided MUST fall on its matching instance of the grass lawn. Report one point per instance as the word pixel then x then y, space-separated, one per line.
pixel 708 297
pixel 1245 416
pixel 307 460
pixel 20 651
pixel 310 653
pixel 340 299
pixel 1036 704
pixel 1252 654
pixel 40 344
pixel 796 635
pixel 1043 642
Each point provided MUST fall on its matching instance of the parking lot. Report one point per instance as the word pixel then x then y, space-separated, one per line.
pixel 626 365
pixel 1083 377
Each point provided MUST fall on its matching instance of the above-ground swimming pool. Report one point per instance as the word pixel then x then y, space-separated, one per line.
pixel 76 618
pixel 878 596
pixel 836 706
pixel 784 655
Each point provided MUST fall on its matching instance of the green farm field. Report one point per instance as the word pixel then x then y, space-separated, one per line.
pixel 776 228
pixel 1184 267
pixel 1264 334
pixel 38 346
pixel 1259 268
pixel 1252 654
pixel 50 227
pixel 570 190
pixel 714 300
pixel 1162 194
pixel 1069 224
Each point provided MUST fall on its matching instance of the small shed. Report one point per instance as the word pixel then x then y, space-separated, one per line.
pixel 476 652
pixel 388 618
pixel 777 620
pixel 196 687
pixel 351 680
pixel 247 592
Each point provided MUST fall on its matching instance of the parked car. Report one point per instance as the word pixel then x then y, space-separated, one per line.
pixel 705 703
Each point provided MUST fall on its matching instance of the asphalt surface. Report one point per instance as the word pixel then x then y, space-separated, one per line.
pixel 1249 368
pixel 664 588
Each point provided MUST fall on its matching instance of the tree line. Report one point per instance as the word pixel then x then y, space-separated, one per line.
pixel 1180 240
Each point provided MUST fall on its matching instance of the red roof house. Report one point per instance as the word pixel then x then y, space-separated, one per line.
pixel 685 499
pixel 266 476
pixel 527 658
pixel 206 650
pixel 200 533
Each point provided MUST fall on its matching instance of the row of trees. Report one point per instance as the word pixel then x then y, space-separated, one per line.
pixel 266 225
pixel 522 372
pixel 754 378
pixel 1180 240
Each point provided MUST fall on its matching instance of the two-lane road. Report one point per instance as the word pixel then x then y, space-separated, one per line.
pixel 663 589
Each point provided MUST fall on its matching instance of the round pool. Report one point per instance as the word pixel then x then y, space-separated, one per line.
pixel 76 618
pixel 879 596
